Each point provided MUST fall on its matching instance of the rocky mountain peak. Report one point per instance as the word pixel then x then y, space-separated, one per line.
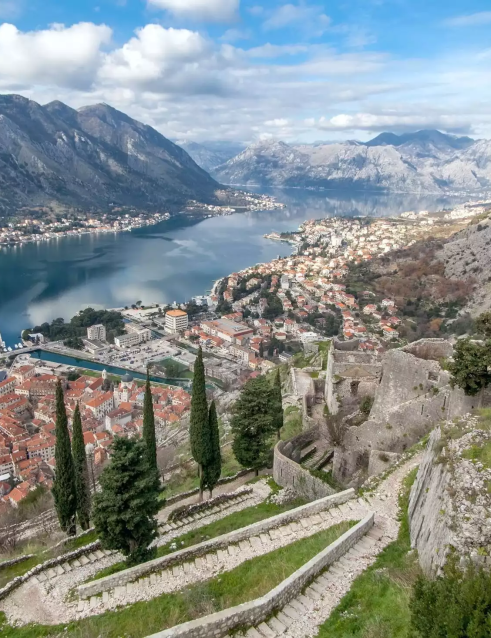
pixel 90 158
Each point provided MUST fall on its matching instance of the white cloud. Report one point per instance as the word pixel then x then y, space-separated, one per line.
pixel 276 50
pixel 209 10
pixel 232 35
pixel 190 87
pixel 471 20
pixel 391 122
pixel 166 61
pixel 301 16
pixel 64 56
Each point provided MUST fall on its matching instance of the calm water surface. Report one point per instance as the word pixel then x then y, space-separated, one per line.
pixel 164 263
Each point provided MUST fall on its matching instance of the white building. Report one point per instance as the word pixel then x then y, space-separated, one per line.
pixel 96 333
pixel 130 339
pixel 176 320
pixel 101 405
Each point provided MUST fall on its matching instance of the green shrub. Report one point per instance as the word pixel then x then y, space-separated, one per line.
pixel 456 605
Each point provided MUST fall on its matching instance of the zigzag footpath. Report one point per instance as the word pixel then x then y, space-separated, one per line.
pixel 55 599
pixel 42 598
pixel 305 613
pixel 304 608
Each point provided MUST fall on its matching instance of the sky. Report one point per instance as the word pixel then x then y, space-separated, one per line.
pixel 244 70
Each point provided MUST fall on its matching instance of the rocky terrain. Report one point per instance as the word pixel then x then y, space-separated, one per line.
pixel 427 161
pixel 90 158
pixel 468 254
pixel 451 495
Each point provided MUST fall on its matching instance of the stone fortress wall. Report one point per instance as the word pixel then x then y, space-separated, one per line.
pixel 288 472
pixel 413 395
pixel 351 375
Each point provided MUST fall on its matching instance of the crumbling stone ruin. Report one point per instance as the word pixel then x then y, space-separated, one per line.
pixel 412 395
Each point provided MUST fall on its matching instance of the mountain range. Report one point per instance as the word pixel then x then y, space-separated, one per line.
pixel 95 157
pixel 421 162
pixel 211 154
pixel 89 158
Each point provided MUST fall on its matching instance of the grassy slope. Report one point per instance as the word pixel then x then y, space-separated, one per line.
pixel 246 582
pixel 377 605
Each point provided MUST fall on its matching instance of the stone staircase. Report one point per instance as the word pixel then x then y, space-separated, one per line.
pixel 289 622
pixel 69 566
pixel 165 528
pixel 241 498
pixel 203 567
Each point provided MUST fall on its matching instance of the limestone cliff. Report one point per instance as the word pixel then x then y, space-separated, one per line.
pixel 450 503
pixel 467 255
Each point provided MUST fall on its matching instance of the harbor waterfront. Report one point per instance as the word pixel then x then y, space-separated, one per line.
pixel 87 364
pixel 171 261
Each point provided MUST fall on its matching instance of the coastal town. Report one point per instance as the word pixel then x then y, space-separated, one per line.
pixel 108 409
pixel 34 230
pixel 44 227
pixel 251 322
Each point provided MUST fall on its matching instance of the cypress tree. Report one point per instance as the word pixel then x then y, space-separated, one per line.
pixel 82 490
pixel 199 416
pixel 212 465
pixel 125 508
pixel 64 483
pixel 149 426
pixel 253 424
pixel 278 403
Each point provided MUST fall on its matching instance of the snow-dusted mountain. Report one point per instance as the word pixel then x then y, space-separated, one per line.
pixel 426 161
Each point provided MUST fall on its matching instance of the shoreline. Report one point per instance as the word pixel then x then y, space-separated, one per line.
pixel 198 212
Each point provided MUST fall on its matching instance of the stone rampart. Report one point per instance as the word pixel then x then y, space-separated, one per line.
pixel 221 542
pixel 414 395
pixel 350 375
pixel 252 613
pixel 288 473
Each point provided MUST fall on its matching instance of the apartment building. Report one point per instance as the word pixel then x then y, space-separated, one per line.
pixel 96 333
pixel 131 339
pixel 176 321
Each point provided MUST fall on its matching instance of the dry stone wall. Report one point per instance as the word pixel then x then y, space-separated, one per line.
pixel 288 473
pixel 222 542
pixel 48 564
pixel 254 612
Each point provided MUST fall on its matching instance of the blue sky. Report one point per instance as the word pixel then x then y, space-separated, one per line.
pixel 298 70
